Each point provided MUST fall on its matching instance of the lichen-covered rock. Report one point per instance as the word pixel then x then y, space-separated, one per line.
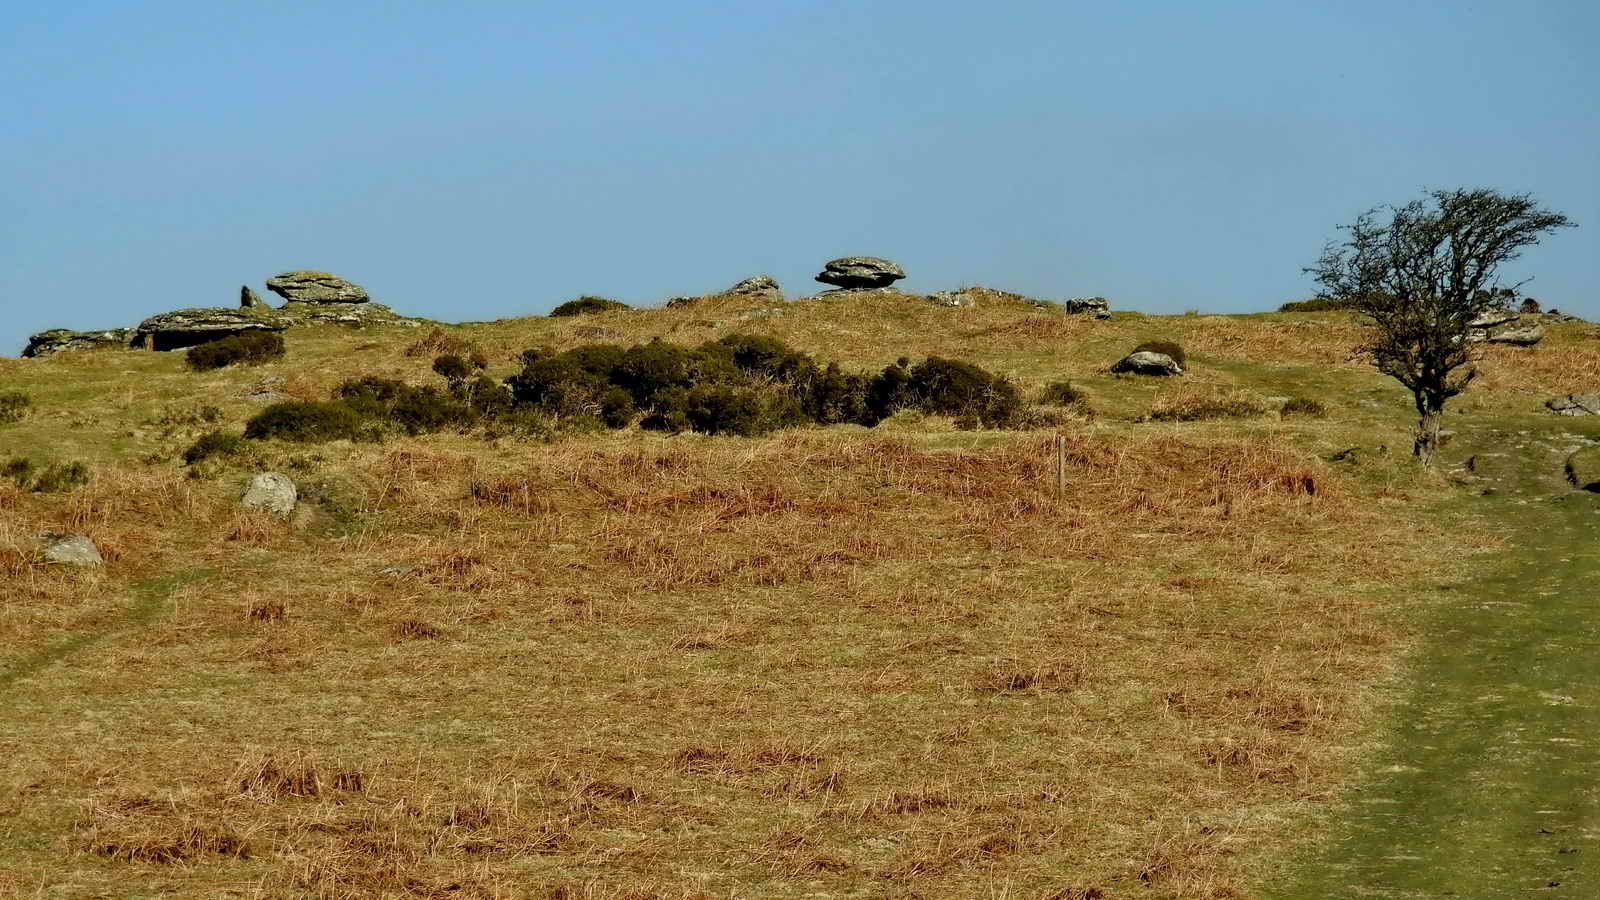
pixel 860 272
pixel 756 284
pixel 1583 469
pixel 1098 307
pixel 311 286
pixel 954 299
pixel 1489 318
pixel 1521 337
pixel 1146 362
pixel 188 327
pixel 47 343
pixel 271 491
pixel 249 299
pixel 1586 403
pixel 69 549
pixel 342 314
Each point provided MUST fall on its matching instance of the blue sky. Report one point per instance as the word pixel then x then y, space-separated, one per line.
pixel 480 160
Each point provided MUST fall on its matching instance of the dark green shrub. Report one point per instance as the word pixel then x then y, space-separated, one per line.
pixel 215 443
pixel 1304 406
pixel 249 348
pixel 423 410
pixel 558 385
pixel 763 357
pixel 452 367
pixel 955 388
pixel 1529 306
pixel 13 406
pixel 1062 393
pixel 307 421
pixel 60 478
pixel 645 370
pixel 889 392
pixel 19 469
pixel 670 413
pixel 586 305
pixel 617 409
pixel 830 397
pixel 1318 304
pixel 1170 348
pixel 728 409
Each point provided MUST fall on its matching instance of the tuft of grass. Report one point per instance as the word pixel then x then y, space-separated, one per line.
pixel 61 478
pixel 1305 406
pixel 1202 405
pixel 13 406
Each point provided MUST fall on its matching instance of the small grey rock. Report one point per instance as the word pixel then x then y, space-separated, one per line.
pixel 1492 317
pixel 271 491
pixel 860 272
pixel 249 299
pixel 312 286
pixel 69 549
pixel 1146 362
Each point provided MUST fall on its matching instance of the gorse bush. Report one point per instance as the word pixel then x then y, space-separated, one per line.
pixel 307 421
pixel 19 469
pixel 215 443
pixel 250 348
pixel 1170 348
pixel 13 406
pixel 1318 304
pixel 586 305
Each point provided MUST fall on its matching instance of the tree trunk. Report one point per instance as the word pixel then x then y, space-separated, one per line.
pixel 1427 434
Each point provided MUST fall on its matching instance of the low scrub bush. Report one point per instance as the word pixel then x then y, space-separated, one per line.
pixel 1170 348
pixel 1062 393
pixel 1195 407
pixel 13 406
pixel 1318 304
pixel 59 478
pixel 1304 406
pixel 415 410
pixel 215 443
pixel 19 469
pixel 249 348
pixel 307 421
pixel 585 305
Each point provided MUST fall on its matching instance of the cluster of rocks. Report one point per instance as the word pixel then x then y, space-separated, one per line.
pixel 1586 403
pixel 310 296
pixel 1509 326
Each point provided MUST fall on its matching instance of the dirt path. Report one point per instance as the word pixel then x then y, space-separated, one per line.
pixel 1490 786
pixel 147 597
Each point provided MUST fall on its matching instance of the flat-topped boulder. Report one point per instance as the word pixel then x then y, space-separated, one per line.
pixel 312 286
pixel 852 272
pixel 183 328
pixel 756 284
pixel 356 314
pixel 56 340
pixel 1097 307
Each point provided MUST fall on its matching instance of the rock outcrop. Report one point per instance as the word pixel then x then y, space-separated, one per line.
pixel 1521 337
pixel 357 314
pixel 47 343
pixel 756 284
pixel 856 272
pixel 954 299
pixel 1098 307
pixel 1146 362
pixel 183 328
pixel 1583 469
pixel 69 549
pixel 249 299
pixel 1586 403
pixel 271 491
pixel 311 286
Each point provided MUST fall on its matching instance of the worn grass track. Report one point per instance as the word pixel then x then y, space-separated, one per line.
pixel 1488 787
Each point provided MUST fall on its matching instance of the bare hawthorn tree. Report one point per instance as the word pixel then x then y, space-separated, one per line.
pixel 1419 274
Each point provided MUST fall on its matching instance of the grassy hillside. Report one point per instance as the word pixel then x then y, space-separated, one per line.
pixel 828 662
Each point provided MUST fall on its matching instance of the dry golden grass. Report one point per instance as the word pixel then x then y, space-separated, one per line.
pixel 830 662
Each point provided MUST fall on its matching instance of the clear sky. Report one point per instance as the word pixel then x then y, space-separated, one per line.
pixel 477 160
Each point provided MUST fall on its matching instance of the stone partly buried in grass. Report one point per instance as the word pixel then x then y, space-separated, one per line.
pixel 1583 469
pixel 69 549
pixel 1586 403
pixel 1147 362
pixel 273 492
